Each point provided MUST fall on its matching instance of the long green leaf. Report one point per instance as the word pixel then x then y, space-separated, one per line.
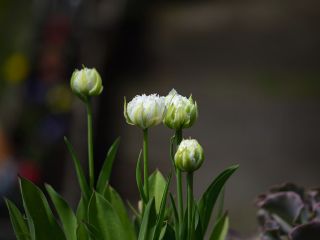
pixel 220 230
pixel 176 218
pixel 116 202
pixel 107 166
pixel 66 215
pixel 82 216
pixel 37 207
pixel 148 221
pixel 105 219
pixel 79 170
pixel 174 208
pixel 157 186
pixel 210 196
pixel 139 179
pixel 19 226
pixel 82 232
pixel 91 230
pixel 160 218
pixel 167 233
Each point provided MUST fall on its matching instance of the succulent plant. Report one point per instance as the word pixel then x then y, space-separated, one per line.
pixel 289 212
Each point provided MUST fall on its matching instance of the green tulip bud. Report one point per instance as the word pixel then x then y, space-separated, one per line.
pixel 86 83
pixel 145 111
pixel 189 156
pixel 181 111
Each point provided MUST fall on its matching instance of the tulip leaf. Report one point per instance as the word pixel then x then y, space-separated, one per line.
pixel 175 214
pixel 38 210
pixel 174 208
pixel 157 186
pixel 82 232
pixel 107 166
pixel 105 219
pixel 167 233
pixel 148 221
pixel 116 202
pixel 197 223
pixel 18 223
pixel 66 215
pixel 210 196
pixel 91 230
pixel 79 170
pixel 139 179
pixel 220 229
pixel 162 209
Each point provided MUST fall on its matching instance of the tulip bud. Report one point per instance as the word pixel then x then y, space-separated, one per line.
pixel 189 156
pixel 86 82
pixel 181 112
pixel 145 111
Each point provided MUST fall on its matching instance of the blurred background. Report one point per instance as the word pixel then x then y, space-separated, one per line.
pixel 253 67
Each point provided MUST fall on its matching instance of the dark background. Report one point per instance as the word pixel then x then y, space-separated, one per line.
pixel 251 65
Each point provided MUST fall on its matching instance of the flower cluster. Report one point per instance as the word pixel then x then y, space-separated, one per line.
pixel 176 112
pixel 101 212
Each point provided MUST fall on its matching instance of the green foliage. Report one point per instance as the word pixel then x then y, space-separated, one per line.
pixel 157 186
pixel 148 221
pixel 210 196
pixel 66 215
pixel 103 216
pixel 220 229
pixel 42 223
pixel 101 213
pixel 18 223
pixel 107 166
pixel 79 170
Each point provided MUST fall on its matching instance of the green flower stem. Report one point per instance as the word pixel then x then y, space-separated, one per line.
pixel 190 203
pixel 145 163
pixel 90 143
pixel 178 135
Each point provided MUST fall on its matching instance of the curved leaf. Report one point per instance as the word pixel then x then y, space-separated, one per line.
pixel 66 215
pixel 105 219
pixel 210 196
pixel 107 166
pixel 37 207
pixel 148 221
pixel 160 218
pixel 220 230
pixel 18 223
pixel 157 186
pixel 79 170
pixel 116 202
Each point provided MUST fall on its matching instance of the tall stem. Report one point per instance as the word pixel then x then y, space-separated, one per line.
pixel 145 163
pixel 190 203
pixel 178 135
pixel 90 143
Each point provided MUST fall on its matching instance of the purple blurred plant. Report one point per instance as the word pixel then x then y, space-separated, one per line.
pixel 290 212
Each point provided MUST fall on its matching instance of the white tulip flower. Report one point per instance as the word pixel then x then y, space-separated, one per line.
pixel 181 111
pixel 145 111
pixel 189 156
pixel 86 82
